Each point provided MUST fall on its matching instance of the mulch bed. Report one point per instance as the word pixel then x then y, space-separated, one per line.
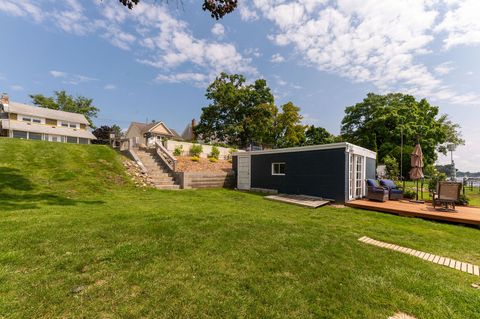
pixel 185 164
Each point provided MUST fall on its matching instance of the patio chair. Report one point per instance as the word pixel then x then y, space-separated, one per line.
pixel 447 193
pixel 394 192
pixel 375 191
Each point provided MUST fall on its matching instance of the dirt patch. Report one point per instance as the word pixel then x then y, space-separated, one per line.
pixel 185 164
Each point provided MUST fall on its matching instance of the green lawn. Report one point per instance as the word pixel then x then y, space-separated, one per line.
pixel 79 241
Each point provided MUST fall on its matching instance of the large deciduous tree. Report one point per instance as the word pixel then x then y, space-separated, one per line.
pixel 63 102
pixel 243 115
pixel 378 121
pixel 217 8
pixel 238 114
pixel 318 135
pixel 103 132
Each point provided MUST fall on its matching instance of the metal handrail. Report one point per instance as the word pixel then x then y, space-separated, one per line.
pixel 165 156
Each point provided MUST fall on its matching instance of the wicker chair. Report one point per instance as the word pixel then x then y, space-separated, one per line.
pixel 448 193
pixel 376 192
pixel 394 192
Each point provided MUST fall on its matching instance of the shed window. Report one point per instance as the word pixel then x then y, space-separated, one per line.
pixel 278 168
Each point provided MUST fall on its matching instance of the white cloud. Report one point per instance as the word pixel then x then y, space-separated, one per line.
pixel 110 87
pixel 159 39
pixel 444 68
pixel 218 30
pixel 345 38
pixel 3 77
pixel 16 87
pixel 198 79
pixel 246 12
pixel 253 51
pixel 277 58
pixel 73 79
pixel 58 74
pixel 461 24
pixel 22 8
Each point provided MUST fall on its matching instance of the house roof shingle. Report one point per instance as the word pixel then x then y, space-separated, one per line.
pixel 20 108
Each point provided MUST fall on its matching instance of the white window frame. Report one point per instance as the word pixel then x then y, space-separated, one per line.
pixel 68 125
pixel 273 168
pixel 30 119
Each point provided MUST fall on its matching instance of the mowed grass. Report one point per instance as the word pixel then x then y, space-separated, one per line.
pixel 77 240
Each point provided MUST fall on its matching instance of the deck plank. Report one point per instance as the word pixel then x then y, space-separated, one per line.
pixel 462 215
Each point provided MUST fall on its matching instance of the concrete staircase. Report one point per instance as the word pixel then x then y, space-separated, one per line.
pixel 157 171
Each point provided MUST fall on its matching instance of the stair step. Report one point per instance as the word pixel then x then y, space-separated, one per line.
pixel 167 186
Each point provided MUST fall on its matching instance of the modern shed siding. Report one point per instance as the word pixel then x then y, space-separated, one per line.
pixel 317 173
pixel 371 164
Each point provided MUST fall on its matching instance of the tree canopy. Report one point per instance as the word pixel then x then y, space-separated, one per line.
pixel 63 102
pixel 103 132
pixel 378 121
pixel 217 8
pixel 243 114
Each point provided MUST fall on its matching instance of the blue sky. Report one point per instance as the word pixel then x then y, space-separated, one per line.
pixel 156 61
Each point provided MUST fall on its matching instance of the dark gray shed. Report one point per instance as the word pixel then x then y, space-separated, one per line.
pixel 333 171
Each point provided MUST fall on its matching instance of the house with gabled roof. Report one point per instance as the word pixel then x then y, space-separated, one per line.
pixel 148 133
pixel 18 120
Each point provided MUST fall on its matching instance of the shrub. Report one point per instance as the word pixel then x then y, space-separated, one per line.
pixel 409 193
pixel 213 159
pixel 215 152
pixel 178 150
pixel 392 167
pixel 195 159
pixel 435 177
pixel 464 200
pixel 196 150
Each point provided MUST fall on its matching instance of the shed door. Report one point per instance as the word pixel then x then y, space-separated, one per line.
pixel 243 178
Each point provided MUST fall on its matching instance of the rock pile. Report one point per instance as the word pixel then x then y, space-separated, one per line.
pixel 139 177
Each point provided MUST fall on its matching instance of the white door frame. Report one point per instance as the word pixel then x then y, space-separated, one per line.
pixel 356 176
pixel 244 165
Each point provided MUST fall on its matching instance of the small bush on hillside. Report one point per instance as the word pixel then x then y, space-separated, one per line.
pixel 215 152
pixel 195 159
pixel 391 164
pixel 178 150
pixel 196 150
pixel 213 159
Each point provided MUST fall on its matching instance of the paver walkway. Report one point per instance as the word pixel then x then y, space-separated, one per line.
pixel 443 261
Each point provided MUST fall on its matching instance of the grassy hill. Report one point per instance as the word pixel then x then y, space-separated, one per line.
pixel 77 240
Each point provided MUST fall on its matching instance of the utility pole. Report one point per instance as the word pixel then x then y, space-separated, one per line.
pixel 451 148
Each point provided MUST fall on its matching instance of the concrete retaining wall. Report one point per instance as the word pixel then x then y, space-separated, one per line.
pixel 206 149
pixel 189 180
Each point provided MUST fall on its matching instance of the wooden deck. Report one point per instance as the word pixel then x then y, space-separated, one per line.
pixel 462 215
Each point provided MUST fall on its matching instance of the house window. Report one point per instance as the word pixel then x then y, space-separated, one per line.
pixel 83 140
pixel 278 168
pixel 65 124
pixel 36 121
pixel 26 119
pixel 72 140
pixel 19 134
pixel 34 136
pixel 73 125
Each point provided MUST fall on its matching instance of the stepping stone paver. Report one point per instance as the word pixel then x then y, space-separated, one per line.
pixel 443 261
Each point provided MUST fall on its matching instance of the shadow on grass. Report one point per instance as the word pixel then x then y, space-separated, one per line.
pixel 15 188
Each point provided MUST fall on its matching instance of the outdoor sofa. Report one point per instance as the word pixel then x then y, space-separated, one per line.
pixel 376 192
pixel 394 192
